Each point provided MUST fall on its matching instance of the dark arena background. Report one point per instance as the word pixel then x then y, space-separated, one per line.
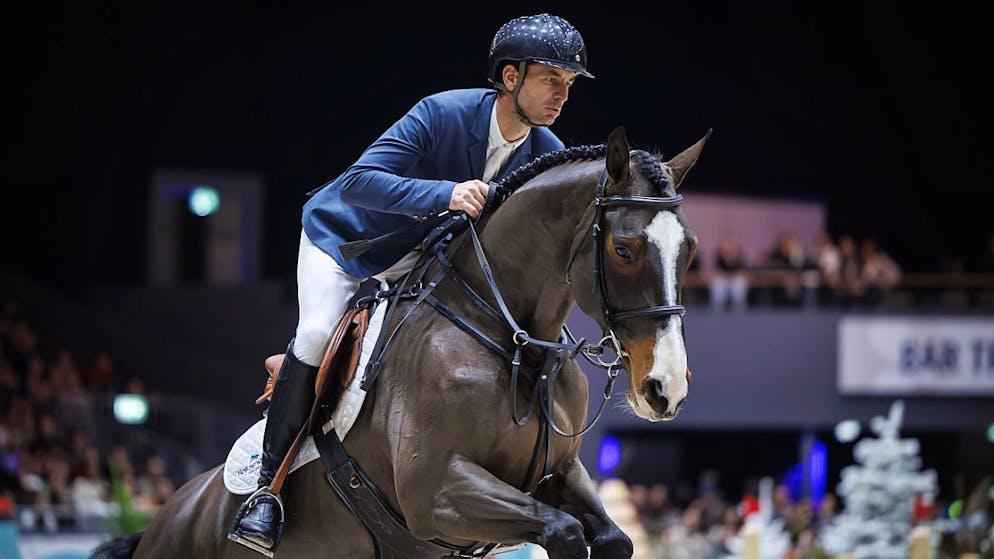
pixel 156 157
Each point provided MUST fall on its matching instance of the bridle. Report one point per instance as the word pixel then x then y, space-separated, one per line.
pixel 612 317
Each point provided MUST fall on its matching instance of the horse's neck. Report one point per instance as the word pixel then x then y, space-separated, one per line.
pixel 527 243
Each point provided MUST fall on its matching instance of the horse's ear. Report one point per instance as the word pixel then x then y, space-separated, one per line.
pixel 682 163
pixel 618 155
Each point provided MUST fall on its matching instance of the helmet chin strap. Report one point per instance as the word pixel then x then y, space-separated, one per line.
pixel 522 69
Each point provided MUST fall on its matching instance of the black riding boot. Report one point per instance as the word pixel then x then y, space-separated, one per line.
pixel 292 399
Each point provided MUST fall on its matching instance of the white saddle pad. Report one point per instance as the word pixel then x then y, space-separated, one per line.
pixel 241 468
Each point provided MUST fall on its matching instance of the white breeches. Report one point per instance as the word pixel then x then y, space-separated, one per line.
pixel 323 291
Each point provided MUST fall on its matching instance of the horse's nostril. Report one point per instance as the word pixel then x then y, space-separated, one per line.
pixel 655 393
pixel 658 387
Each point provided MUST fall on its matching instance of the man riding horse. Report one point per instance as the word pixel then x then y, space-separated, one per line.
pixel 415 170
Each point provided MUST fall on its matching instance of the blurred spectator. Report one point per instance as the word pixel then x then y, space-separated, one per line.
pixel 799 517
pixel 880 273
pixel 6 504
pixel 850 272
pixel 31 478
pixel 8 386
pixel 40 390
pixel 782 504
pixel 57 474
pixel 153 486
pixel 827 510
pixel 829 261
pixel 660 513
pixel 722 533
pixel 9 459
pixel 683 495
pixel 90 489
pixel 789 259
pixel 687 540
pixel 729 285
pixel 101 374
pixel 47 442
pixel 20 349
pixel 709 496
pixel 805 544
pixel 639 495
pixel 749 504
pixel 121 463
pixel 73 406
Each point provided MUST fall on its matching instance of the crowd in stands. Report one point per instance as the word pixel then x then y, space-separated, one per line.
pixel 702 522
pixel 50 465
pixel 841 273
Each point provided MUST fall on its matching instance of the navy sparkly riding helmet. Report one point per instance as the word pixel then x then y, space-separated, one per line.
pixel 541 38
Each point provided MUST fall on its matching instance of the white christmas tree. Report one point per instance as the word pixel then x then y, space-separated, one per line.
pixel 879 494
pixel 762 536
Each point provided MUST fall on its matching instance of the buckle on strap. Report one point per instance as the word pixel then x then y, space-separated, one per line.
pixel 410 292
pixel 262 492
pixel 595 353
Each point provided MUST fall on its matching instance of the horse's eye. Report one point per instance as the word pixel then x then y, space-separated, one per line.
pixel 623 252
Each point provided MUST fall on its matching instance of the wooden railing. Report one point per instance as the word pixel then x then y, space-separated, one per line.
pixel 813 278
pixel 964 291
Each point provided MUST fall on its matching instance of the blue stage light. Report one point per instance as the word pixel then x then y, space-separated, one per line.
pixel 610 454
pixel 818 472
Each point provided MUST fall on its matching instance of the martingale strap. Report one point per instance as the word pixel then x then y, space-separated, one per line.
pixel 435 244
pixel 567 346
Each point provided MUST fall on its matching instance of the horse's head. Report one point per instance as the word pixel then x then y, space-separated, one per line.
pixel 645 247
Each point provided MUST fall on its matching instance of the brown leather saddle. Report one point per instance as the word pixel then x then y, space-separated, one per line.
pixel 334 376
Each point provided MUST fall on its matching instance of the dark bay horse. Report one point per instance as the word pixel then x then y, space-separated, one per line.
pixel 436 435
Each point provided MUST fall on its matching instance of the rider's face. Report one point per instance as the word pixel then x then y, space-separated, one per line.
pixel 544 92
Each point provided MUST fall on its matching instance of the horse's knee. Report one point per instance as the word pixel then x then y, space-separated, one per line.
pixel 562 538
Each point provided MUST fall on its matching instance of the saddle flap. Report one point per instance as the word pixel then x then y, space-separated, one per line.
pixel 341 359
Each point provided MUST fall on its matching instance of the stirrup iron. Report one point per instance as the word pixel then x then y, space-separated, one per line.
pixel 243 510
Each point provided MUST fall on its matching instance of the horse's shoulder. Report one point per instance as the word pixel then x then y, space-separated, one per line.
pixel 201 483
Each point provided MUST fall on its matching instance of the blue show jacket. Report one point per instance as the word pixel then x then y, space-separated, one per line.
pixel 442 141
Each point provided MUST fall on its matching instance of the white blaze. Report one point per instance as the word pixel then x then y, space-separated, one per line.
pixel 669 364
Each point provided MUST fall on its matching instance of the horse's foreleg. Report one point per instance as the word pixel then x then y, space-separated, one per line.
pixel 579 497
pixel 469 503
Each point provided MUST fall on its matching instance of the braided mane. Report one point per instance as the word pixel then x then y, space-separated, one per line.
pixel 648 165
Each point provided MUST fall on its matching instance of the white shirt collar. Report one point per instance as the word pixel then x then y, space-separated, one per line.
pixel 496 139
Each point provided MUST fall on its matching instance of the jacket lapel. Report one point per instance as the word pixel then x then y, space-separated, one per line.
pixel 477 149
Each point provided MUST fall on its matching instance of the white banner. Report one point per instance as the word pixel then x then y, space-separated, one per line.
pixel 923 356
